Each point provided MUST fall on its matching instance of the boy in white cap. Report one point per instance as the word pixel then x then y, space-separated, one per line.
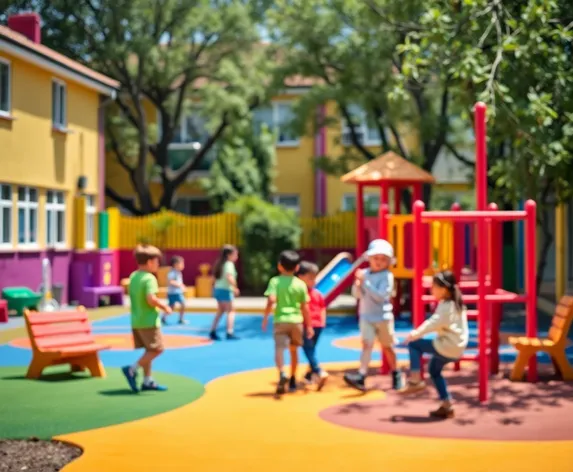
pixel 373 287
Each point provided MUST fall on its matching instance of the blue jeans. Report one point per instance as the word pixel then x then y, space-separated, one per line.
pixel 437 363
pixel 309 348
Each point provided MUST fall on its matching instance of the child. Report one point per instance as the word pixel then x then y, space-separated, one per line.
pixel 451 324
pixel 145 319
pixel 225 290
pixel 176 288
pixel 291 318
pixel 307 272
pixel 373 287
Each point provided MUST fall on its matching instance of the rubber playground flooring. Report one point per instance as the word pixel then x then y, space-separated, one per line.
pixel 238 424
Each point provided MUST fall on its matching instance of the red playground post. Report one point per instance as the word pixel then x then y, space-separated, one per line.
pixel 490 295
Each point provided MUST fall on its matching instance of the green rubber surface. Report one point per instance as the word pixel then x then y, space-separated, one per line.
pixel 62 402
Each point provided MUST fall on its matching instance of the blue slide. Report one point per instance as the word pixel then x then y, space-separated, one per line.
pixel 337 275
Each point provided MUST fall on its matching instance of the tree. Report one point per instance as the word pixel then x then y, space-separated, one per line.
pixel 355 51
pixel 515 56
pixel 198 58
pixel 244 166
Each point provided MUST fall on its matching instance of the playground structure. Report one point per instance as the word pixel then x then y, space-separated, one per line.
pixel 438 239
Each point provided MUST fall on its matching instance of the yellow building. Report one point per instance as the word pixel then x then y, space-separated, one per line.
pixel 298 185
pixel 51 150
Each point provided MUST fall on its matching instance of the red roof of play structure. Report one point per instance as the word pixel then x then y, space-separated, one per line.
pixel 389 168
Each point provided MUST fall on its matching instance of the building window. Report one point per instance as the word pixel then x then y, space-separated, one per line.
pixel 190 133
pixel 366 131
pixel 56 219
pixel 5 215
pixel 278 117
pixel 196 206
pixel 90 221
pixel 5 88
pixel 371 203
pixel 59 104
pixel 27 216
pixel 289 201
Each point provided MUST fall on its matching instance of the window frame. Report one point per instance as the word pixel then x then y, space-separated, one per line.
pixel 362 127
pixel 275 125
pixel 56 105
pixel 276 201
pixel 351 197
pixel 6 113
pixel 53 208
pixel 27 205
pixel 7 204
pixel 91 212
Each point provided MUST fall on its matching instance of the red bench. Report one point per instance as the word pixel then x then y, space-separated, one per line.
pixel 63 338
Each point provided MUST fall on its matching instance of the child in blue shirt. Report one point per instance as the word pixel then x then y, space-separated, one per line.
pixel 176 288
pixel 373 288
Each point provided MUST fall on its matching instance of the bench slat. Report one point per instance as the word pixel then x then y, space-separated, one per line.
pixel 74 351
pixel 46 330
pixel 51 318
pixel 57 342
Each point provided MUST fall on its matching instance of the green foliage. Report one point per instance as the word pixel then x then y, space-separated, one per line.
pixel 197 58
pixel 245 166
pixel 265 230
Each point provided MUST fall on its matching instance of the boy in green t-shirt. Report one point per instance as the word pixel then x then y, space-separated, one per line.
pixel 289 296
pixel 145 319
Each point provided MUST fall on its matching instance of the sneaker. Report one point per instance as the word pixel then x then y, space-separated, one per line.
pixel 283 380
pixel 292 387
pixel 183 322
pixel 412 387
pixel 321 382
pixel 397 380
pixel 232 337
pixel 153 386
pixel 131 377
pixel 213 336
pixel 308 377
pixel 443 412
pixel 356 381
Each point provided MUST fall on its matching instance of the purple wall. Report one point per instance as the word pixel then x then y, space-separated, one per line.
pixel 24 269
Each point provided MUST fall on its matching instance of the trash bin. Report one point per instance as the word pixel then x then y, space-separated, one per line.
pixel 20 298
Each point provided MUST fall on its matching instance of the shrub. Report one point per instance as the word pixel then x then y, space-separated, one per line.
pixel 265 230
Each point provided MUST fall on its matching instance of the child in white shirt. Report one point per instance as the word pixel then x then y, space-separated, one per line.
pixel 451 324
pixel 373 287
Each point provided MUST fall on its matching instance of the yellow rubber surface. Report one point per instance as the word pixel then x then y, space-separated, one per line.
pixel 238 426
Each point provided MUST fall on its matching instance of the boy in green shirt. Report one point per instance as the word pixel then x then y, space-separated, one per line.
pixel 289 296
pixel 145 319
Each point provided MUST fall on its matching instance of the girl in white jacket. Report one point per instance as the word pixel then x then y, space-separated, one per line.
pixel 450 323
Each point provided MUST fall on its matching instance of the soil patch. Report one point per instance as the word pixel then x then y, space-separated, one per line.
pixel 35 455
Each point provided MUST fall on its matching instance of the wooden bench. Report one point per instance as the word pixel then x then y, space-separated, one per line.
pixel 63 338
pixel 554 345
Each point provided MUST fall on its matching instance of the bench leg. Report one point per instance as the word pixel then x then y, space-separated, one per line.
pixel 562 365
pixel 521 362
pixel 37 366
pixel 94 365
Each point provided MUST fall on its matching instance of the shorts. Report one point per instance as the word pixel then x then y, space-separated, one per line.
pixel 223 295
pixel 148 338
pixel 174 298
pixel 381 330
pixel 288 334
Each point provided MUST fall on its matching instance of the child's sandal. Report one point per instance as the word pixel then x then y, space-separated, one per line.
pixel 412 387
pixel 443 413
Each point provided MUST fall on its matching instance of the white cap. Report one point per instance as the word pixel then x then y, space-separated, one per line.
pixel 380 247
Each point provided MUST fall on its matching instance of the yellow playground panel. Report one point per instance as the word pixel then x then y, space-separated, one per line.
pixel 440 240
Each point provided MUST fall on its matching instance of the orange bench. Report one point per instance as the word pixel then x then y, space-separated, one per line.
pixel 554 345
pixel 63 338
